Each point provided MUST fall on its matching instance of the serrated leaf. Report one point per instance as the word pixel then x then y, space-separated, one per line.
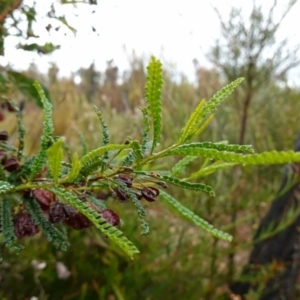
pixel 46 140
pixel 48 123
pixel 76 167
pixel 55 156
pixel 192 123
pixel 265 158
pixel 211 169
pixel 136 147
pixel 52 233
pixel 211 106
pixel 7 225
pixel 194 218
pixel 5 187
pixel 145 138
pixel 175 181
pixel 153 88
pixel 180 166
pixel 99 151
pixel 105 132
pixel 217 146
pixel 140 210
pixel 188 185
pixel 110 231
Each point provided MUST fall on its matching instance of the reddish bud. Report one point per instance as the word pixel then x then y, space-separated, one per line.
pixel 76 219
pixel 121 195
pixel 44 198
pixel 111 217
pixel 126 179
pixel 2 156
pixel 3 135
pixel 24 226
pixel 56 212
pixel 2 116
pixel 12 164
pixel 150 193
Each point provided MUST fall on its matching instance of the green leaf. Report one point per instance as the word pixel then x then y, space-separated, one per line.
pixel 154 84
pixel 76 167
pixel 110 231
pixel 137 204
pixel 207 146
pixel 48 123
pixel 25 85
pixel 188 185
pixel 180 166
pixel 192 123
pixel 44 49
pixel 7 225
pixel 145 137
pixel 219 165
pixel 137 149
pixel 105 132
pixel 52 233
pixel 47 139
pixel 129 159
pixel 194 218
pixel 5 187
pixel 99 151
pixel 265 158
pixel 211 106
pixel 83 143
pixel 55 156
pixel 183 184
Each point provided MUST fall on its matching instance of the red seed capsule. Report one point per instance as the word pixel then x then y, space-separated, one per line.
pixel 56 212
pixel 44 198
pixel 121 195
pixel 2 156
pixel 150 193
pixel 3 134
pixel 24 226
pixel 2 116
pixel 12 164
pixel 76 219
pixel 126 179
pixel 111 217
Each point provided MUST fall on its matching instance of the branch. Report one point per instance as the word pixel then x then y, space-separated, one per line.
pixel 10 9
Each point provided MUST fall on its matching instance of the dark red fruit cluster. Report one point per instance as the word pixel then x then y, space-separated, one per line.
pixel 59 212
pixel 9 164
pixel 5 106
pixel 111 217
pixel 24 225
pixel 149 193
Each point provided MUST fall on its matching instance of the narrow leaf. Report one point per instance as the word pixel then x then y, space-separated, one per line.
pixel 153 97
pixel 76 166
pixel 211 106
pixel 192 123
pixel 52 233
pixel 55 156
pixel 5 187
pixel 7 225
pixel 265 158
pixel 211 169
pixel 194 218
pixel 99 151
pixel 110 231
pixel 140 210
pixel 180 166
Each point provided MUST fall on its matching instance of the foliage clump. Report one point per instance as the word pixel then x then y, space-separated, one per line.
pixel 50 190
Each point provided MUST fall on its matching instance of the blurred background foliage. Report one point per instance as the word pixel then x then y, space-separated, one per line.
pixel 177 259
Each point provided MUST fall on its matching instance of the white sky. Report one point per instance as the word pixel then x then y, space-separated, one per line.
pixel 173 30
